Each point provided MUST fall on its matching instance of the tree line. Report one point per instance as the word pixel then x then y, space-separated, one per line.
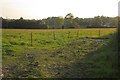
pixel 61 23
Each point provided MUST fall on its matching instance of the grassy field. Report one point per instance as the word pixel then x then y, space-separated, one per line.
pixel 70 53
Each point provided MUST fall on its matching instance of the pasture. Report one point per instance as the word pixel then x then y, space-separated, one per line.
pixel 59 53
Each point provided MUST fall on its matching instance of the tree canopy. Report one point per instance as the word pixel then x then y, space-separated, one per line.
pixel 59 23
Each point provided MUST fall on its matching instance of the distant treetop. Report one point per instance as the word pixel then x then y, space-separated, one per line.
pixel 69 15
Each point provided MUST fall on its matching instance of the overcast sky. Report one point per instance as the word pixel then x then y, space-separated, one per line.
pixel 38 9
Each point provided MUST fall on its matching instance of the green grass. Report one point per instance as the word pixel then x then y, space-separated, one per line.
pixel 59 53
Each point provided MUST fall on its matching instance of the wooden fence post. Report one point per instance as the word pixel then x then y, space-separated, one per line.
pixel 77 34
pixel 69 34
pixel 54 35
pixel 99 33
pixel 31 39
pixel 20 36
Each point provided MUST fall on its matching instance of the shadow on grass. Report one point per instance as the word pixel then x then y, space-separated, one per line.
pixel 101 63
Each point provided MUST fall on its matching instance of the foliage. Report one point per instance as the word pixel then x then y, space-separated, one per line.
pixel 60 23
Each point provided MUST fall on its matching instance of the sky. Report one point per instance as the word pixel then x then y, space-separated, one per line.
pixel 39 9
pixel 119 8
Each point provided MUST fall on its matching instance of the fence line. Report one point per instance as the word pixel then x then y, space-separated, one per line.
pixel 69 34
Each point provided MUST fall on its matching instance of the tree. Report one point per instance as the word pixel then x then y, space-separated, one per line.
pixel 1 22
pixel 69 16
pixel 54 22
pixel 76 22
pixel 97 22
pixel 58 22
pixel 71 22
pixel 21 18
pixel 114 22
pixel 68 21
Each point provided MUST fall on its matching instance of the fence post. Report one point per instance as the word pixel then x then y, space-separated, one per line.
pixel 77 34
pixel 54 35
pixel 69 34
pixel 99 33
pixel 31 39
pixel 20 36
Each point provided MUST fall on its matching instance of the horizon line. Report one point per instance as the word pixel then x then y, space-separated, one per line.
pixel 54 16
